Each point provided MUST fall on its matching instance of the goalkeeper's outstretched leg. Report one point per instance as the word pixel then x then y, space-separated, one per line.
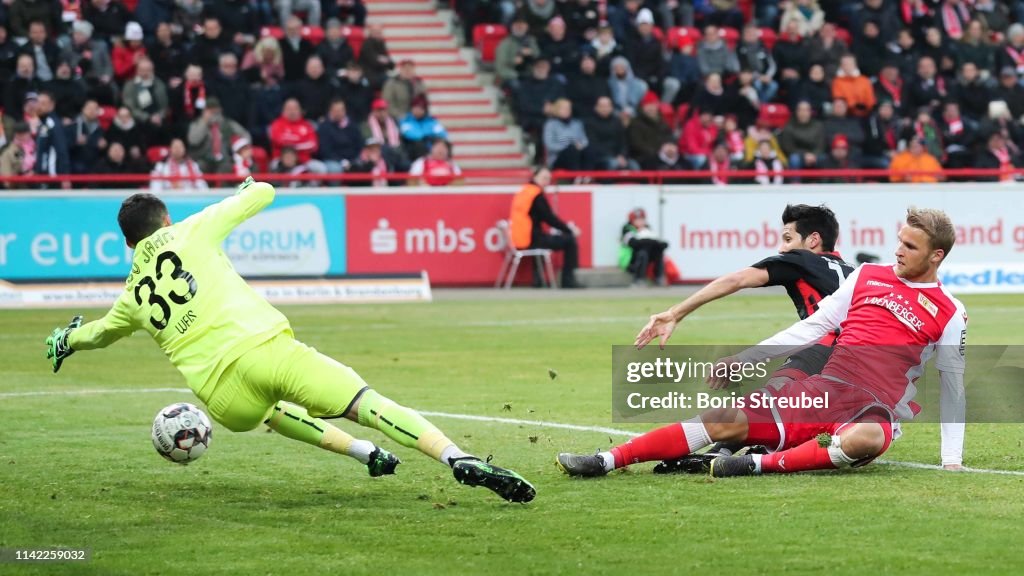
pixel 285 369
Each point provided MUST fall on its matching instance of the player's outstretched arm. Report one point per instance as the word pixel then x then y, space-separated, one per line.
pixel 662 325
pixel 116 324
pixel 218 220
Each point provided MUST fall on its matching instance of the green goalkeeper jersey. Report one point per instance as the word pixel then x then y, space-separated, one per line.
pixel 184 291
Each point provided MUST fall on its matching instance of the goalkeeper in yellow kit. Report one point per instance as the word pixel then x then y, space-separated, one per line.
pixel 238 353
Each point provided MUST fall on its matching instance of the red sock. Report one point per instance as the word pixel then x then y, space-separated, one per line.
pixel 807 456
pixel 766 433
pixel 672 441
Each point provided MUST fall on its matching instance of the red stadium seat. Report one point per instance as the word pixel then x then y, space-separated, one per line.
pixel 659 34
pixel 314 34
pixel 157 153
pixel 682 115
pixel 774 115
pixel 275 31
pixel 107 114
pixel 668 115
pixel 768 38
pixel 486 38
pixel 260 159
pixel 844 35
pixel 731 36
pixel 355 37
pixel 682 35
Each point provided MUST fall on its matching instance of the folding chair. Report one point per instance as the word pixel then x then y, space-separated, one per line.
pixel 513 256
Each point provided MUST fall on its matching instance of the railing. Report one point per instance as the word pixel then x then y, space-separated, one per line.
pixel 515 176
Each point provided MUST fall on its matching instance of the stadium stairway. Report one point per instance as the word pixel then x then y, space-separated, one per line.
pixel 461 97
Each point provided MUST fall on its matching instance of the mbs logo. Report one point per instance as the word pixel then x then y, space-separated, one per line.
pixel 439 239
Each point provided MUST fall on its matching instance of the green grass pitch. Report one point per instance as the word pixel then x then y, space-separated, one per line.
pixel 80 471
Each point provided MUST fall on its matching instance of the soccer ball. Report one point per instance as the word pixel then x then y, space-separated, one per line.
pixel 181 433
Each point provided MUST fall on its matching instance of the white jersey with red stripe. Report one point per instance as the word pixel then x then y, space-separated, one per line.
pixel 890 328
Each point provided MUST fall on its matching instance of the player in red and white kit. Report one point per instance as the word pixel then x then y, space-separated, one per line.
pixel 894 318
pixel 807 266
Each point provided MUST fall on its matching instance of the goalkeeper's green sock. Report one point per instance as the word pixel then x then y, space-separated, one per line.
pixel 294 422
pixel 407 427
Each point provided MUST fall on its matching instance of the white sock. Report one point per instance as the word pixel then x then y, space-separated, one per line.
pixel 452 451
pixel 360 450
pixel 757 462
pixel 696 434
pixel 609 461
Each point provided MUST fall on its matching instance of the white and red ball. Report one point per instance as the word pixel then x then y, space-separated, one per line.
pixel 181 433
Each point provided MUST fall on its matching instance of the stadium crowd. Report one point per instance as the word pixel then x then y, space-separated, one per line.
pixel 194 87
pixel 765 85
pixel 188 87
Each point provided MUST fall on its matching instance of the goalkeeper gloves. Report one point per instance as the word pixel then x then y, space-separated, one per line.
pixel 57 348
pixel 248 181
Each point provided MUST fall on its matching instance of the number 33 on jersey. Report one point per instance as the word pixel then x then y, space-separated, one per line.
pixel 184 292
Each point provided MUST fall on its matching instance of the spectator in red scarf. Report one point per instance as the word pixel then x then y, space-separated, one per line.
pixel 953 18
pixel 288 163
pixel 241 153
pixel 924 128
pixel 371 161
pixel 380 125
pixel 292 130
pixel 889 85
pixel 210 137
pixel 957 137
pixel 1001 154
pixel 177 164
pixel 767 164
pixel 734 138
pixel 1012 54
pixel 436 168
pixel 189 98
pixel 881 136
pixel 719 164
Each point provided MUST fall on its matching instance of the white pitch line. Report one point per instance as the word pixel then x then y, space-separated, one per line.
pixel 541 423
pixel 474 418
pixel 88 392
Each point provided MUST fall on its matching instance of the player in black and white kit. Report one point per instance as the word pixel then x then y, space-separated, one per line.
pixel 810 269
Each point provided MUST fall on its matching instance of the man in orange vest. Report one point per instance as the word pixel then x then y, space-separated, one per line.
pixel 915 159
pixel 530 210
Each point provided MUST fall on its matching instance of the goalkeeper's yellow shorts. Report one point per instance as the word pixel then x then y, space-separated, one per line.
pixel 282 368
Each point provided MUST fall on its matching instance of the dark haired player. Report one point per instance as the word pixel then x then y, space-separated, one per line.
pixel 238 353
pixel 810 269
